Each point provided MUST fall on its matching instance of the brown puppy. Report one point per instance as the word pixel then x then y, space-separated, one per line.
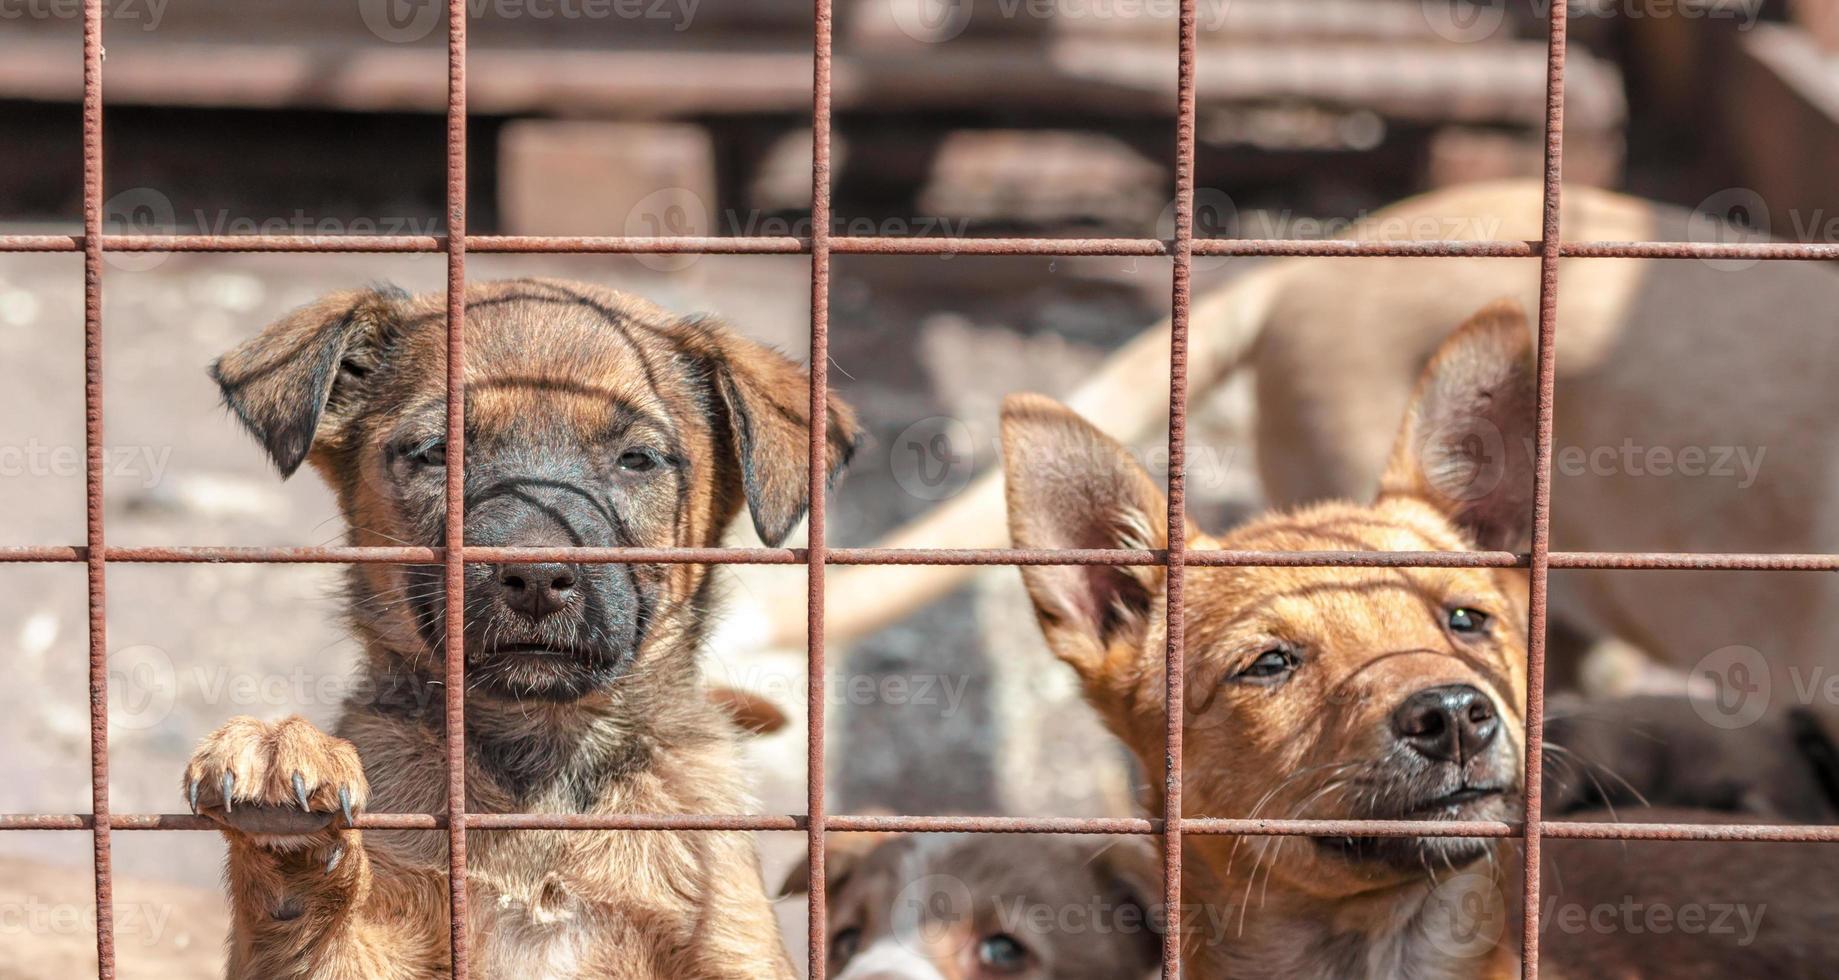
pixel 593 419
pixel 1362 693
pixel 1354 693
pixel 982 906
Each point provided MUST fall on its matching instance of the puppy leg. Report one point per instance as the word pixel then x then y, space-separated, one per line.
pixel 299 878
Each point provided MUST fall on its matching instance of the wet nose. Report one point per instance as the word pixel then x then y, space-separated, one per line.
pixel 1447 724
pixel 536 590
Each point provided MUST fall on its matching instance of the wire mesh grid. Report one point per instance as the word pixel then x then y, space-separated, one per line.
pixel 820 245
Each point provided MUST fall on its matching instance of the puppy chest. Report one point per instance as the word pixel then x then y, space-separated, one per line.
pixel 564 913
pixel 539 929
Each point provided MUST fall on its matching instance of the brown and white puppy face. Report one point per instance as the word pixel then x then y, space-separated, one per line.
pixel 1320 693
pixel 990 907
pixel 592 419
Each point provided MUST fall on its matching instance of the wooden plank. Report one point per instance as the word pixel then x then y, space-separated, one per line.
pixel 1472 83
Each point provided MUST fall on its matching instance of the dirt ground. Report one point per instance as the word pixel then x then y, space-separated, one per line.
pixel 913 339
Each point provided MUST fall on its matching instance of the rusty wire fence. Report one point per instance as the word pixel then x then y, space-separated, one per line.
pixel 96 555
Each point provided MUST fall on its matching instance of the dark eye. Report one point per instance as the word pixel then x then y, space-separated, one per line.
pixel 1462 619
pixel 844 945
pixel 1273 664
pixel 1002 953
pixel 637 461
pixel 429 453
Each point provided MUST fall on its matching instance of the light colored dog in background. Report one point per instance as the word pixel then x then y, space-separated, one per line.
pixel 1695 412
pixel 990 906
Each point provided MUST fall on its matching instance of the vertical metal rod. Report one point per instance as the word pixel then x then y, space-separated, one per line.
pixel 454 563
pixel 1550 244
pixel 1177 518
pixel 95 563
pixel 818 471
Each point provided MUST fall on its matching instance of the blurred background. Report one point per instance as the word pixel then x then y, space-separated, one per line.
pixel 953 118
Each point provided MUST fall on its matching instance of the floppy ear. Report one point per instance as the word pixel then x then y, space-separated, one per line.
pixel 1130 869
pixel 1464 443
pixel 1070 486
pixel 766 399
pixel 753 714
pixel 291 385
pixel 843 853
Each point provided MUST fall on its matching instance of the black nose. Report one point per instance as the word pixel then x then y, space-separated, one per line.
pixel 1447 724
pixel 536 590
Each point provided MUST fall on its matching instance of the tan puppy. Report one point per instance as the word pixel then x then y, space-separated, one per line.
pixel 593 419
pixel 990 907
pixel 1311 692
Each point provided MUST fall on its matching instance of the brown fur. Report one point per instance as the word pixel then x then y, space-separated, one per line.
pixel 550 367
pixel 1312 746
pixel 1307 748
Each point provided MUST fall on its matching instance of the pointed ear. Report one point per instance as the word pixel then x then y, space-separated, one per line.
pixel 1070 486
pixel 1463 445
pixel 292 384
pixel 765 399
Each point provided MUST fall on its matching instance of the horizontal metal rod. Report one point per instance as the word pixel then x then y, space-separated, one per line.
pixel 991 825
pixel 874 245
pixel 1349 828
pixel 1758 833
pixel 846 823
pixel 1631 561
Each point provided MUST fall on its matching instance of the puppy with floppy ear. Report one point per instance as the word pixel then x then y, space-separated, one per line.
pixel 1313 693
pixel 593 419
pixel 983 906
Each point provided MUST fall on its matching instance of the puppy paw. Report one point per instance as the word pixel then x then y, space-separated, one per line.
pixel 278 784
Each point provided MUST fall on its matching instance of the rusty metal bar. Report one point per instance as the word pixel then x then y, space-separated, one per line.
pixel 849 823
pixel 817 474
pixel 820 246
pixel 454 559
pixel 1540 560
pixel 1174 677
pixel 96 569
pixel 339 555
pixel 740 245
